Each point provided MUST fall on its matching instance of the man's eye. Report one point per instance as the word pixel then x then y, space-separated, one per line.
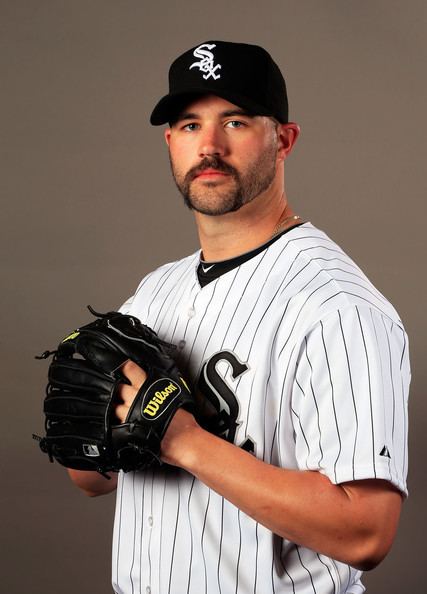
pixel 235 124
pixel 191 127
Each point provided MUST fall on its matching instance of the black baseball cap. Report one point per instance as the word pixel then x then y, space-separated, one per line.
pixel 243 74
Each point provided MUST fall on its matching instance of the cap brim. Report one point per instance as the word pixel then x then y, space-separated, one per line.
pixel 170 106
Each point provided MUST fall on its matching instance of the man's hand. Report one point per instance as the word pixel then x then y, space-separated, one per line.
pixel 127 393
pixel 173 446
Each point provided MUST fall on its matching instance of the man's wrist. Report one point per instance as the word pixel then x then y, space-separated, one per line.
pixel 180 445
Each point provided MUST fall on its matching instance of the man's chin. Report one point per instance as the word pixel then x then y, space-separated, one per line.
pixel 213 209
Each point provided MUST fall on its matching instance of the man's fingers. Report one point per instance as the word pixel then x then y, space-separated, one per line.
pixel 135 374
pixel 127 393
pixel 122 411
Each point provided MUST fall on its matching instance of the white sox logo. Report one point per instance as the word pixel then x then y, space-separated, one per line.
pixel 206 63
pixel 223 418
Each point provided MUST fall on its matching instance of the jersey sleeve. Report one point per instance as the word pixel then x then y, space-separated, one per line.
pixel 126 306
pixel 349 400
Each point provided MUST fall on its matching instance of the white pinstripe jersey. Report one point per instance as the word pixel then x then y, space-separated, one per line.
pixel 310 364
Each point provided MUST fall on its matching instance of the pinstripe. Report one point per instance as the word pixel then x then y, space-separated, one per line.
pixel 404 409
pixel 177 296
pixel 282 404
pixel 161 532
pixel 251 391
pixel 188 321
pixel 303 434
pixel 236 309
pixel 273 587
pixel 391 376
pixel 191 536
pixel 201 322
pixel 333 400
pixel 336 586
pixel 265 280
pixel 393 383
pixel 348 294
pixel 174 330
pixel 161 282
pixel 120 508
pixel 141 286
pixel 304 305
pixel 217 320
pixel 267 386
pixel 348 579
pixel 201 540
pixel 315 401
pixel 382 377
pixel 170 297
pixel 256 558
pixel 335 259
pixel 134 533
pixel 240 550
pixel 350 377
pixel 364 288
pixel 142 520
pixel 370 392
pixel 297 548
pixel 403 351
pixel 174 540
pixel 286 307
pixel 184 334
pixel 220 545
pixel 286 314
pixel 150 532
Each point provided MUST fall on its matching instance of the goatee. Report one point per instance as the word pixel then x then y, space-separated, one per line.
pixel 214 198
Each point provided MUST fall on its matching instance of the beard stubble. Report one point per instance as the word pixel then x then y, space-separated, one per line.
pixel 212 198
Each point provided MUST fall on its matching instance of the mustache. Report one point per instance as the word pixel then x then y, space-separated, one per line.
pixel 210 163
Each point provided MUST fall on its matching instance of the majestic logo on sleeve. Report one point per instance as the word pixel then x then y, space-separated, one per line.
pixel 206 61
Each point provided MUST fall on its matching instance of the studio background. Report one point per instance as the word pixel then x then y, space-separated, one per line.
pixel 88 207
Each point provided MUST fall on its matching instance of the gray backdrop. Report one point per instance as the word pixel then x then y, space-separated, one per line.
pixel 89 206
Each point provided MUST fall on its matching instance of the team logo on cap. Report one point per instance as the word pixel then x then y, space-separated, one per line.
pixel 206 63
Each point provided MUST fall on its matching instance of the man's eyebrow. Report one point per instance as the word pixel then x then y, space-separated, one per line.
pixel 188 115
pixel 237 112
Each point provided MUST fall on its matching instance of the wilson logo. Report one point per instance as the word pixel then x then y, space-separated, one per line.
pixel 160 394
pixel 71 336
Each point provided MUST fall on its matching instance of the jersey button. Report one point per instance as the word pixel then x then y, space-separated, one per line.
pixel 191 312
pixel 148 590
pixel 150 520
pixel 181 344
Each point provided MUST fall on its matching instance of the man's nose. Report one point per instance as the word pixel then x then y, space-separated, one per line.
pixel 212 142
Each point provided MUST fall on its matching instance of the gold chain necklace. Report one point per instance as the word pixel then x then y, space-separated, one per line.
pixel 283 224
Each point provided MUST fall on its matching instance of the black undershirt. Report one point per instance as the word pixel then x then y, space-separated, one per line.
pixel 209 271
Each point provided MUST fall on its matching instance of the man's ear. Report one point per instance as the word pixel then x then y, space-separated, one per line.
pixel 167 135
pixel 287 136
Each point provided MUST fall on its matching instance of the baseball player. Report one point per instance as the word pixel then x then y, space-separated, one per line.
pixel 295 483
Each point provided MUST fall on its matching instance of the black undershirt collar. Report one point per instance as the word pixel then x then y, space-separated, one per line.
pixel 209 271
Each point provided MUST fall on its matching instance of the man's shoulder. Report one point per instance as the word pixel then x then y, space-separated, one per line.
pixel 170 274
pixel 187 262
pixel 321 277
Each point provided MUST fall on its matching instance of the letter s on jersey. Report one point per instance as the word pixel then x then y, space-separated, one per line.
pixel 220 407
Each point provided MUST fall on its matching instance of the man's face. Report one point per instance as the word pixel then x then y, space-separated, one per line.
pixel 221 157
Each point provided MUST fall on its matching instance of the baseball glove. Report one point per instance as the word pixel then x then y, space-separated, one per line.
pixel 82 430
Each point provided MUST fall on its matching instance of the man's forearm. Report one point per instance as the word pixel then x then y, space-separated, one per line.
pixel 354 523
pixel 93 483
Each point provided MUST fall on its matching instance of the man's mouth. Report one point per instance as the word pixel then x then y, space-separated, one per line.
pixel 210 173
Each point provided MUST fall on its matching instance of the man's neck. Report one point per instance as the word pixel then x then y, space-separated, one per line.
pixel 230 235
